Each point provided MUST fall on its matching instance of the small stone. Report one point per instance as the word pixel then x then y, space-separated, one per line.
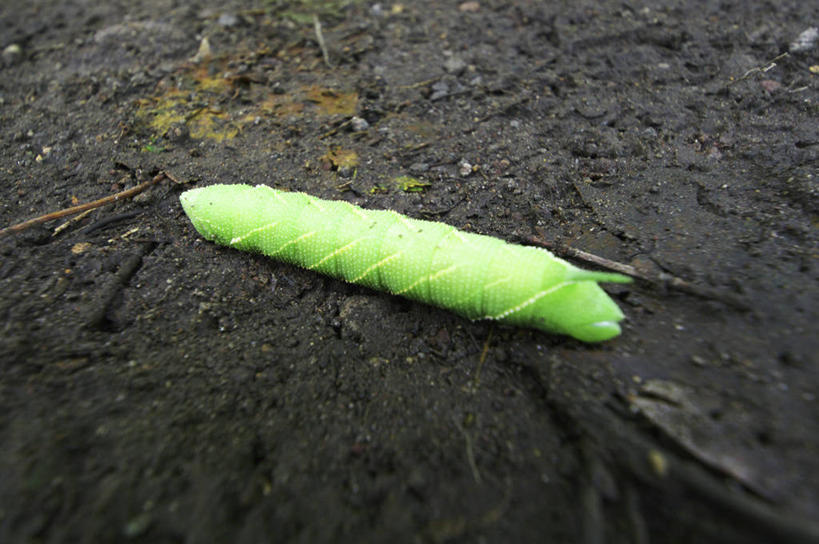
pixel 469 7
pixel 358 124
pixel 12 54
pixel 804 42
pixel 439 90
pixel 454 65
pixel 228 20
pixel 464 168
pixel 177 132
pixel 770 85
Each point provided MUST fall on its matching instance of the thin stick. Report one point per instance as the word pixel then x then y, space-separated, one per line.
pixel 320 38
pixel 68 223
pixel 770 65
pixel 663 279
pixel 336 129
pixel 482 360
pixel 82 207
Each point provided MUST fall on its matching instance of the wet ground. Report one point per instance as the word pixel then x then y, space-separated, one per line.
pixel 158 388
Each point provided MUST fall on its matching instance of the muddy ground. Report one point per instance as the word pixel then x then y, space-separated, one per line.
pixel 158 388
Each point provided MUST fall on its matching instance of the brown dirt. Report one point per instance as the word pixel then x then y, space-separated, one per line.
pixel 159 388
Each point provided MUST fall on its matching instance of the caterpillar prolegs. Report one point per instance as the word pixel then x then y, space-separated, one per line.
pixel 479 277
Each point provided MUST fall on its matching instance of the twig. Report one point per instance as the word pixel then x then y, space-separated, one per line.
pixel 335 129
pixel 662 280
pixel 768 66
pixel 83 207
pixel 320 38
pixel 68 223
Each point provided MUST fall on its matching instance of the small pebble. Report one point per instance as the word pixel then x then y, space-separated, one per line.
pixel 439 90
pixel 770 85
pixel 805 41
pixel 454 65
pixel 228 20
pixel 464 168
pixel 12 54
pixel 358 124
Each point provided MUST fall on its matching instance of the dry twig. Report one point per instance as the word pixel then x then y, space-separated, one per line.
pixel 19 227
pixel 661 280
pixel 320 38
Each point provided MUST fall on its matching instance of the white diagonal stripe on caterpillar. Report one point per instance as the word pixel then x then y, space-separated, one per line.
pixel 422 279
pixel 291 242
pixel 356 210
pixel 273 191
pixel 412 285
pixel 382 262
pixel 441 272
pixel 333 254
pixel 531 300
pixel 245 236
pixel 497 282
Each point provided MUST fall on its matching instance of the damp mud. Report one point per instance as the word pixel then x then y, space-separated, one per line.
pixel 155 387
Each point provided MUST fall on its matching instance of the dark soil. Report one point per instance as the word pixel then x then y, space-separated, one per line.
pixel 158 388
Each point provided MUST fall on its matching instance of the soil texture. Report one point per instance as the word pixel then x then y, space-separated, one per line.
pixel 155 387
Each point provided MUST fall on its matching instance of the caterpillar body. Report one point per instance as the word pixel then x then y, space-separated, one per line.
pixel 476 276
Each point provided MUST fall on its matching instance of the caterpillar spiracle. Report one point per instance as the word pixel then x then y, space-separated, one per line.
pixel 478 277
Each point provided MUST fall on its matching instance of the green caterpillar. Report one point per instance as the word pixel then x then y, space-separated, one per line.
pixel 476 276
